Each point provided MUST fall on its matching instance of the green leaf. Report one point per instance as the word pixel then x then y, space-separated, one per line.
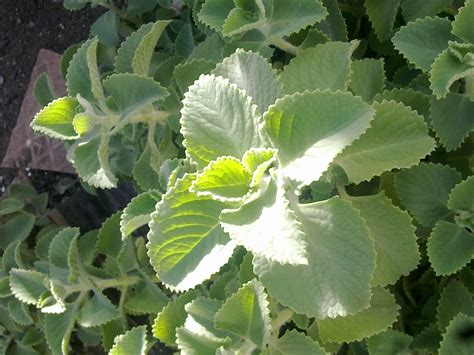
pixel 105 28
pixel 109 239
pixel 212 48
pixel 445 70
pixel 455 340
pixel 389 342
pixel 416 100
pixel 452 119
pixel 143 172
pixel 139 7
pixel 146 298
pixel 252 73
pixel 184 43
pixel 294 342
pixel 131 92
pixel 246 314
pixel 326 66
pixel 58 254
pixel 97 311
pixel 460 199
pixel 27 285
pixel 280 236
pixel 413 9
pixel 382 15
pixel 450 247
pixel 214 12
pixel 5 287
pixel 225 179
pixel 398 138
pixel 138 211
pixel 336 235
pixel 42 91
pixel 394 238
pixel 421 42
pixel 12 256
pixel 83 123
pixel 19 312
pixel 312 128
pixel 132 342
pixel 367 78
pixel 186 73
pixel 462 24
pixel 186 243
pixel 228 116
pixel 56 119
pixel 424 191
pixel 172 317
pixel 111 330
pixel 10 205
pixel 58 328
pixel 381 314
pixel 334 25
pixel 16 229
pixel 455 298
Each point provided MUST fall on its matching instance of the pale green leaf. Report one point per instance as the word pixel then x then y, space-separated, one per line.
pixel 398 138
pixel 268 216
pixel 252 73
pixel 455 340
pixel 382 15
pixel 97 311
pixel 27 285
pixel 394 238
pixel 445 70
pixel 462 25
pixel 455 298
pixel 312 128
pixel 190 343
pixel 218 119
pixel 334 25
pixel 138 7
pixel 246 314
pixel 132 342
pixel 16 229
pixel 326 66
pixel 336 235
pixel 137 213
pixel 186 243
pixel 294 342
pixel 258 161
pixel 184 42
pixel 75 4
pixel 416 100
pixel 5 287
pixel 214 12
pixel 452 119
pixel 424 190
pixel 389 342
pixel 450 247
pixel 58 254
pixel 367 78
pixel 146 298
pixel 105 28
pixel 212 48
pixel 460 198
pixel 423 40
pixel 131 92
pixel 12 257
pixel 83 123
pixel 19 312
pixel 56 119
pixel 413 9
pixel 381 314
pixel 186 73
pixel 10 205
pixel 42 91
pixel 109 239
pixel 172 317
pixel 240 20
pixel 58 328
pixel 143 172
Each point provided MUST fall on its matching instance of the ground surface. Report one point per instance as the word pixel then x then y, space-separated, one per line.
pixel 26 26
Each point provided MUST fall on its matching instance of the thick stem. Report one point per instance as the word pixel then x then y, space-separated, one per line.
pixel 283 45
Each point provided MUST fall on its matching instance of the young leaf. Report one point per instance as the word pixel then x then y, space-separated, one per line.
pixel 388 342
pixel 97 311
pixel 186 243
pixel 132 342
pixel 462 24
pixel 230 119
pixel 382 15
pixel 336 234
pixel 394 238
pixel 294 342
pixel 56 119
pixel 381 314
pixel 326 66
pixel 27 285
pixel 138 211
pixel 424 190
pixel 455 340
pixel 246 314
pixel 423 40
pixel 398 138
pixel 450 247
pixel 311 128
pixel 214 13
pixel 455 298
pixel 367 78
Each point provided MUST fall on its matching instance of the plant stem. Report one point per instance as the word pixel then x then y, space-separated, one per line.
pixel 470 86
pixel 283 317
pixel 408 294
pixel 103 284
pixel 342 191
pixel 283 45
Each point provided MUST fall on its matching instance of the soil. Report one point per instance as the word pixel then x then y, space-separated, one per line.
pixel 25 28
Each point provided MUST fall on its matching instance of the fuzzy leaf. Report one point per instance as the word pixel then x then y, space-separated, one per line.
pixel 97 311
pixel 423 40
pixel 367 78
pixel 214 13
pixel 424 191
pixel 10 205
pixel 138 212
pixel 147 298
pixel 252 73
pixel 452 119
pixel 106 29
pixel 42 91
pixel 398 138
pixel 381 314
pixel 55 120
pixel 312 128
pixel 389 342
pixel 455 298
pixel 109 238
pixel 294 342
pixel 394 238
pixel 335 234
pixel 326 66
pixel 186 73
pixel 454 340
pixel 450 247
pixel 132 342
pixel 19 312
pixel 460 197
pixel 382 15
pixel 228 116
pixel 58 328
pixel 414 9
pixel 246 314
pixel 16 229
pixel 27 285
pixel 462 25
pixel 58 253
pixel 186 243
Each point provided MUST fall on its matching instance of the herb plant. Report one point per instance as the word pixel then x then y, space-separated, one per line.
pixel 304 169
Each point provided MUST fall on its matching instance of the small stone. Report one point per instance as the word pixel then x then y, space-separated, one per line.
pixel 31 24
pixel 18 20
pixel 2 79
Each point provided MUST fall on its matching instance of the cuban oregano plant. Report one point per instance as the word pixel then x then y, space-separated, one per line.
pixel 304 169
